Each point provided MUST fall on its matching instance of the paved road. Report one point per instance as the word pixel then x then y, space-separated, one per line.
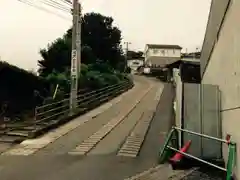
pixel 125 124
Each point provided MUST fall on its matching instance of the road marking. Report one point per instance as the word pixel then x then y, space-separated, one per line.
pixel 133 143
pixel 83 149
pixel 31 146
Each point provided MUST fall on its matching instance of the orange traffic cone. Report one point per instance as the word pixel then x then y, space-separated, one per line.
pixel 176 159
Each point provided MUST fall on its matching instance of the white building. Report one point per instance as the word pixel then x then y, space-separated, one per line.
pixel 220 65
pixel 158 55
pixel 134 64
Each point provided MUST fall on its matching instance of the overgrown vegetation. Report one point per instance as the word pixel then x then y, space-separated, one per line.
pixel 102 65
pixel 20 90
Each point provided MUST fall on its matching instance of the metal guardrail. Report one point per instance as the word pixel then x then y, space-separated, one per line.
pixel 231 151
pixel 56 112
pixel 85 101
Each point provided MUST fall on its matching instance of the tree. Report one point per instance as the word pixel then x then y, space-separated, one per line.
pixel 18 88
pixel 55 57
pixel 100 40
pixel 134 54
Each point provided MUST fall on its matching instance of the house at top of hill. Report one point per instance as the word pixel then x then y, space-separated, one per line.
pixel 160 55
pixel 134 64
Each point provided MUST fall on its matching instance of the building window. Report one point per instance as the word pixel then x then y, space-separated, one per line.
pixel 155 51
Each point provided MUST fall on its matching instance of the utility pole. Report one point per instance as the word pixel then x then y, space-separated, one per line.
pixel 79 37
pixel 127 44
pixel 76 52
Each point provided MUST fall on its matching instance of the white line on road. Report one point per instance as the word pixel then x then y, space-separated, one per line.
pixel 134 142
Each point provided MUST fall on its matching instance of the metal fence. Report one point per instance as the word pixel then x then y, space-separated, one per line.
pixel 55 112
pixel 85 101
pixel 164 154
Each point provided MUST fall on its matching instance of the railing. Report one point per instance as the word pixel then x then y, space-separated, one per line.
pixel 164 154
pixel 85 101
pixel 56 112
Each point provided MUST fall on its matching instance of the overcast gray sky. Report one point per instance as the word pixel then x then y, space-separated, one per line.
pixel 24 29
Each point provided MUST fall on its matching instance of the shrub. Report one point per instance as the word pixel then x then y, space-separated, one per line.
pixel 94 80
pixel 110 78
pixel 18 89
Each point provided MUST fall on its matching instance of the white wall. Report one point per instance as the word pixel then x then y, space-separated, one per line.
pixel 224 70
pixel 132 65
pixel 164 52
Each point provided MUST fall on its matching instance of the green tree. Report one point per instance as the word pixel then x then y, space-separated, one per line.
pixel 18 89
pixel 134 54
pixel 62 79
pixel 55 57
pixel 100 40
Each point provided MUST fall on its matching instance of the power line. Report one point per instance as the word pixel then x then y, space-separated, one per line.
pixel 60 4
pixel 48 3
pixel 56 6
pixel 67 2
pixel 43 9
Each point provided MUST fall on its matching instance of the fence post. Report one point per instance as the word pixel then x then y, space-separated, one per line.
pixel 165 154
pixel 231 160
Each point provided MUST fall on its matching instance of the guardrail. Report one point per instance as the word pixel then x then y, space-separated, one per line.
pixel 164 154
pixel 85 101
pixel 53 114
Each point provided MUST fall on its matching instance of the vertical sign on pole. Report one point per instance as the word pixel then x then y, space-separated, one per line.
pixel 73 81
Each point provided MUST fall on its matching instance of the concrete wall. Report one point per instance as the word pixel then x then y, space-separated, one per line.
pixel 201 115
pixel 192 116
pixel 216 16
pixel 223 69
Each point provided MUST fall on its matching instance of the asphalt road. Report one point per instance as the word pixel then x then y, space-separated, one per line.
pixel 102 163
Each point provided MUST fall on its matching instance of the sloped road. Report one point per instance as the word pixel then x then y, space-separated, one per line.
pixel 50 157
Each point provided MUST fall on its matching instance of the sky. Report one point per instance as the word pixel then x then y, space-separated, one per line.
pixel 24 30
